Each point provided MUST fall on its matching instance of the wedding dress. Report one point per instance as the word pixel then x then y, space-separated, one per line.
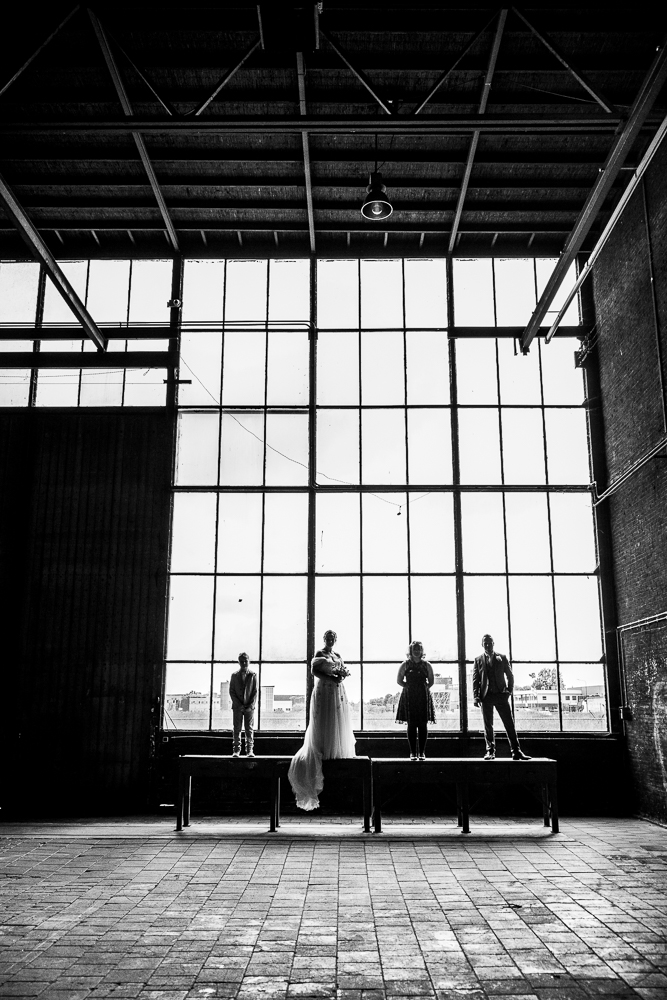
pixel 329 735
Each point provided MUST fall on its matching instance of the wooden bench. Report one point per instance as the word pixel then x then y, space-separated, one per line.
pixel 264 769
pixel 345 768
pixel 462 770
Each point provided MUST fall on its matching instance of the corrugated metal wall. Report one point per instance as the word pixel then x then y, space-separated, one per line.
pixel 84 502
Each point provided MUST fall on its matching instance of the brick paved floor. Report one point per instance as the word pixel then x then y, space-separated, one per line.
pixel 131 909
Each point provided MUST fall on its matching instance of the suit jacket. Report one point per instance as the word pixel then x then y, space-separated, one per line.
pixel 243 693
pixel 480 676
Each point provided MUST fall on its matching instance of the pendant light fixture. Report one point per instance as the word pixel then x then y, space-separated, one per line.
pixel 376 205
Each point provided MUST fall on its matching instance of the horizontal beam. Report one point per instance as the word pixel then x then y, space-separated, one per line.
pixel 274 226
pixel 67 332
pixel 580 123
pixel 115 359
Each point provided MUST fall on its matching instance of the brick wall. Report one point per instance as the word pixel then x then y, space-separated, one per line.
pixel 631 340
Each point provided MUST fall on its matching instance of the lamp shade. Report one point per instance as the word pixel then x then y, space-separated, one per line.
pixel 376 206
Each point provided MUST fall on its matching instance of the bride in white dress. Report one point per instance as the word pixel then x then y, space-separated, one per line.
pixel 329 733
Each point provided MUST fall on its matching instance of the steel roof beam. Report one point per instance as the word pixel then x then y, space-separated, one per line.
pixel 37 51
pixel 488 80
pixel 648 92
pixel 41 252
pixel 226 78
pixel 270 226
pixel 579 77
pixel 446 125
pixel 361 77
pixel 136 135
pixel 301 76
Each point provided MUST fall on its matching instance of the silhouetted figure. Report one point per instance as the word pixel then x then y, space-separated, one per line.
pixel 415 677
pixel 243 693
pixel 492 685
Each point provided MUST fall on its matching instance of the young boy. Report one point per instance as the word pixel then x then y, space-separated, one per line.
pixel 243 693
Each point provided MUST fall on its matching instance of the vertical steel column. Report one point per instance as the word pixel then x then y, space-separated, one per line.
pixel 39 318
pixel 361 515
pixel 654 300
pixel 407 454
pixel 456 497
pixel 601 514
pixel 261 556
pixel 312 481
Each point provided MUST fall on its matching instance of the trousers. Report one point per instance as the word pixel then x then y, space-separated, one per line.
pixel 501 702
pixel 243 718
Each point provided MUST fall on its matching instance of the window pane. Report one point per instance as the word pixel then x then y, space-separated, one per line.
pixel 222 705
pixel 150 291
pixel 103 387
pixel 483 533
pixel 193 533
pixel 353 689
pixel 286 449
pixel 523 447
pixel 536 708
pixel 289 290
pixel 201 355
pixel 515 291
pixel 381 293
pixel 473 293
pixel 584 697
pixel 431 533
pixel 383 447
pixel 485 612
pixel 567 447
pixel 578 618
pixel 425 293
pixel 338 446
pixel 286 533
pixel 544 267
pixel 240 533
pixel 563 383
pixel 283 697
pixel 519 375
pixel 186 696
pixel 108 290
pixel 56 309
pixel 433 612
pixel 237 617
pixel 385 618
pixel 59 386
pixel 18 291
pixel 381 694
pixel 14 386
pixel 337 533
pixel 337 293
pixel 532 618
pixel 527 533
pixel 572 531
pixel 384 533
pixel 479 446
pixel 245 290
pixel 197 449
pixel 382 368
pixel 338 369
pixel 284 618
pixel 203 283
pixel 445 694
pixel 476 374
pixel 190 617
pixel 288 369
pixel 428 367
pixel 337 607
pixel 242 449
pixel 429 447
pixel 244 368
pixel 145 388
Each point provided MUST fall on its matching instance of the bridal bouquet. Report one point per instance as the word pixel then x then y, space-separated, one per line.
pixel 340 671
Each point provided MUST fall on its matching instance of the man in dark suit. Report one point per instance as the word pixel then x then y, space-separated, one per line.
pixel 492 684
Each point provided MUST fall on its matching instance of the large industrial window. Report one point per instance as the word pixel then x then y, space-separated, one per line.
pixel 117 293
pixel 362 447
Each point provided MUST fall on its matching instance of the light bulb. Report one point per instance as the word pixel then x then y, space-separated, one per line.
pixel 376 208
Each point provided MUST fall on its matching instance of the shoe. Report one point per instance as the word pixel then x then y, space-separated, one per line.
pixel 237 753
pixel 520 755
pixel 413 756
pixel 250 753
pixel 489 755
pixel 422 756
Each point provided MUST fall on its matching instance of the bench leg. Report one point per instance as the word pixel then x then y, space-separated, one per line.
pixel 278 801
pixel 187 793
pixel 465 807
pixel 377 808
pixel 545 804
pixel 553 795
pixel 179 802
pixel 459 808
pixel 367 791
pixel 273 810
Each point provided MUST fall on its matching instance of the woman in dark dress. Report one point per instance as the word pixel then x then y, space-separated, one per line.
pixel 415 677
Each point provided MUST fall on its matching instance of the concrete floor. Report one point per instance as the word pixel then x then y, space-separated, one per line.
pixel 129 908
